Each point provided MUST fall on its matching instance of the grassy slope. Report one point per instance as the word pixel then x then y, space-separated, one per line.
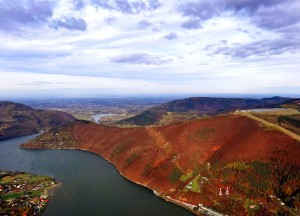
pixel 288 118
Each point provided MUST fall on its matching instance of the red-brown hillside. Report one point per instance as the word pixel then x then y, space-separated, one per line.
pixel 225 138
pixel 158 156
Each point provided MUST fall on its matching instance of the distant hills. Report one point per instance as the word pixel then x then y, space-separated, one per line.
pixel 200 106
pixel 18 120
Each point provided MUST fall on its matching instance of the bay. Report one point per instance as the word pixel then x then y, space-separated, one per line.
pixel 89 184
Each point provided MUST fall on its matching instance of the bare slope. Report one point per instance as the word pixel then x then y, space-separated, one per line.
pixel 18 120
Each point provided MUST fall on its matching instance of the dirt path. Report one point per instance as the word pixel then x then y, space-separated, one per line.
pixel 286 131
pixel 164 147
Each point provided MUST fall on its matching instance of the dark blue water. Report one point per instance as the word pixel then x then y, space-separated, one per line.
pixel 90 185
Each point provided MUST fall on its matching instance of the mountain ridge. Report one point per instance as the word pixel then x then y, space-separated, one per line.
pixel 201 106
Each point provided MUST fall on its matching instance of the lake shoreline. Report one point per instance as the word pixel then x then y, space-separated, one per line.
pixel 176 202
pixel 97 181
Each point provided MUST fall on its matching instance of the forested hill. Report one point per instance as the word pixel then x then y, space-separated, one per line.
pixel 18 119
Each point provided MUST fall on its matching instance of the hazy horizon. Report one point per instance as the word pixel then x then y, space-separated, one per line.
pixel 167 97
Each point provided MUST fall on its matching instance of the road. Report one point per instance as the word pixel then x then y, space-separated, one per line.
pixel 202 210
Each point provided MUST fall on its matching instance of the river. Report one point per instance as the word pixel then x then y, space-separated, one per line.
pixel 90 185
pixel 97 117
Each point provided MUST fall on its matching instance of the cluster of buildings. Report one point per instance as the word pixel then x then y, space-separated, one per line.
pixel 23 194
pixel 24 205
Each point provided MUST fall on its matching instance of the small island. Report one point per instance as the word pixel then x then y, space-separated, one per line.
pixel 24 194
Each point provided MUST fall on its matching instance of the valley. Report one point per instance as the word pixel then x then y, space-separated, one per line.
pixel 85 108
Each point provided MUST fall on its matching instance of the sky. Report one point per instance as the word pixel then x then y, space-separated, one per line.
pixel 84 48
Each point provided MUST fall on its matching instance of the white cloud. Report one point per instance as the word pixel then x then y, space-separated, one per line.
pixel 195 60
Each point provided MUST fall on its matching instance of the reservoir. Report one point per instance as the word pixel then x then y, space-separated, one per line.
pixel 90 185
pixel 267 110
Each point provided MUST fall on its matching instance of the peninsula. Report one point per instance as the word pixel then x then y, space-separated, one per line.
pixel 23 194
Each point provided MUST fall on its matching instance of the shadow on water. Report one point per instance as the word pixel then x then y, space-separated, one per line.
pixel 90 185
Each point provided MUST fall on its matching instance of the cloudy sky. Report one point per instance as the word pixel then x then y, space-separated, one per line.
pixel 110 47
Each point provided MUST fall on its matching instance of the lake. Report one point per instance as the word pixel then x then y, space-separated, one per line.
pixel 90 185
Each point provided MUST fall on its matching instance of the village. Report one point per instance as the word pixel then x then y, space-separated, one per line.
pixel 23 194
